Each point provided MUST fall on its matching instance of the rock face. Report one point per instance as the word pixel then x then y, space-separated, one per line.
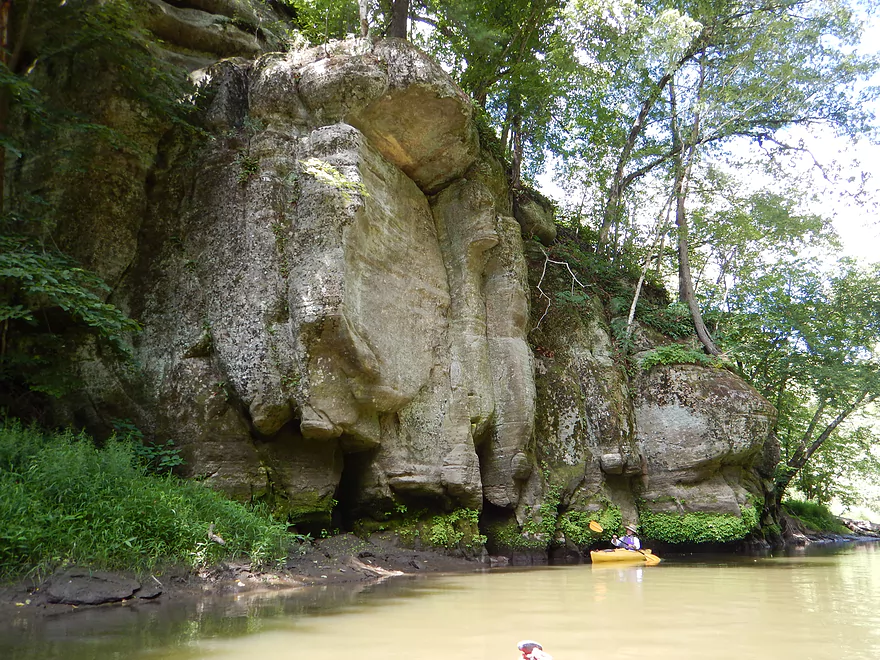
pixel 340 312
pixel 331 305
pixel 674 439
pixel 698 428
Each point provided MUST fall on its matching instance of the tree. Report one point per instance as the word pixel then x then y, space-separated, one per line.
pixel 766 66
pixel 515 58
pixel 728 73
pixel 809 342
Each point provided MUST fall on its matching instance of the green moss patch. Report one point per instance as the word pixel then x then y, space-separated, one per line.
pixel 576 525
pixel 457 530
pixel 698 527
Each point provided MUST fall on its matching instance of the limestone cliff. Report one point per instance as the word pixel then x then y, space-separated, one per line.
pixel 341 314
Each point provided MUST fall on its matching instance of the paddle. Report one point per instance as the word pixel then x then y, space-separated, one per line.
pixel 651 558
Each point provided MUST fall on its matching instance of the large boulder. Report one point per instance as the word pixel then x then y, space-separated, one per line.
pixel 535 215
pixel 700 430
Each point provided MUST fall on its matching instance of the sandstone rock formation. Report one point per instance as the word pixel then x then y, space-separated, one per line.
pixel 340 312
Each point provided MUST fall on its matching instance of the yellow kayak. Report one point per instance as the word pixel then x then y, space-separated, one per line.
pixel 622 555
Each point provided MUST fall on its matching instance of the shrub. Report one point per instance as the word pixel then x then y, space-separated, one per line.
pixel 576 525
pixel 459 529
pixel 677 354
pixel 508 537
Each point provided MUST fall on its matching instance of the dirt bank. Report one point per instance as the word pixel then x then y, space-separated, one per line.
pixel 336 560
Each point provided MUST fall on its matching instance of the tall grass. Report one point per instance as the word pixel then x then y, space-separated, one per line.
pixel 65 500
pixel 815 516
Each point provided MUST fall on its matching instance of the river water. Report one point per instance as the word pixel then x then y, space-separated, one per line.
pixel 819 605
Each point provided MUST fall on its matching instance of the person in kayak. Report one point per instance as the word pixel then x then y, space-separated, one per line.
pixel 630 541
pixel 531 650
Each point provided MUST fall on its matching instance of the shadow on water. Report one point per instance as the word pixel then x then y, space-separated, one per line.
pixel 121 630
pixel 792 557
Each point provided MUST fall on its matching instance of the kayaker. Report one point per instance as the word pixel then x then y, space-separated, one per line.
pixel 531 650
pixel 630 541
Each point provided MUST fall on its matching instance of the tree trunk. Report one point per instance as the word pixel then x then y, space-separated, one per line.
pixel 682 177
pixel 803 453
pixel 363 11
pixel 399 17
pixel 516 151
pixel 685 283
pixel 660 232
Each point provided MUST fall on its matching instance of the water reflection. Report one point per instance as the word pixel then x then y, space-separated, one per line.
pixel 812 606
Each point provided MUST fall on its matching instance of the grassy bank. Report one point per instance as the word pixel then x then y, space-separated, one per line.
pixel 813 516
pixel 65 500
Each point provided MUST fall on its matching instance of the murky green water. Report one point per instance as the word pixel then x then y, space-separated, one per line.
pixel 817 606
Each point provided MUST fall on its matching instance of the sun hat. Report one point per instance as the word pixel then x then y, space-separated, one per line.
pixel 631 528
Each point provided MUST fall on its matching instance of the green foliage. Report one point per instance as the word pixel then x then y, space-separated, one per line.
pixel 44 293
pixel 674 320
pixel 321 20
pixel 248 166
pixel 677 354
pixel 64 500
pixel 157 458
pixel 807 340
pixel 698 527
pixel 489 139
pixel 35 278
pixel 614 281
pixel 576 525
pixel 815 516
pixel 508 537
pixel 577 299
pixel 458 529
pixel 828 475
pixel 548 511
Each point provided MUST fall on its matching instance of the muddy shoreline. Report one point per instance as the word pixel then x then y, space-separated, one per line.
pixel 339 560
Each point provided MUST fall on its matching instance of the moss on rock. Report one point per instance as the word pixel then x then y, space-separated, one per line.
pixel 508 538
pixel 699 527
pixel 576 525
